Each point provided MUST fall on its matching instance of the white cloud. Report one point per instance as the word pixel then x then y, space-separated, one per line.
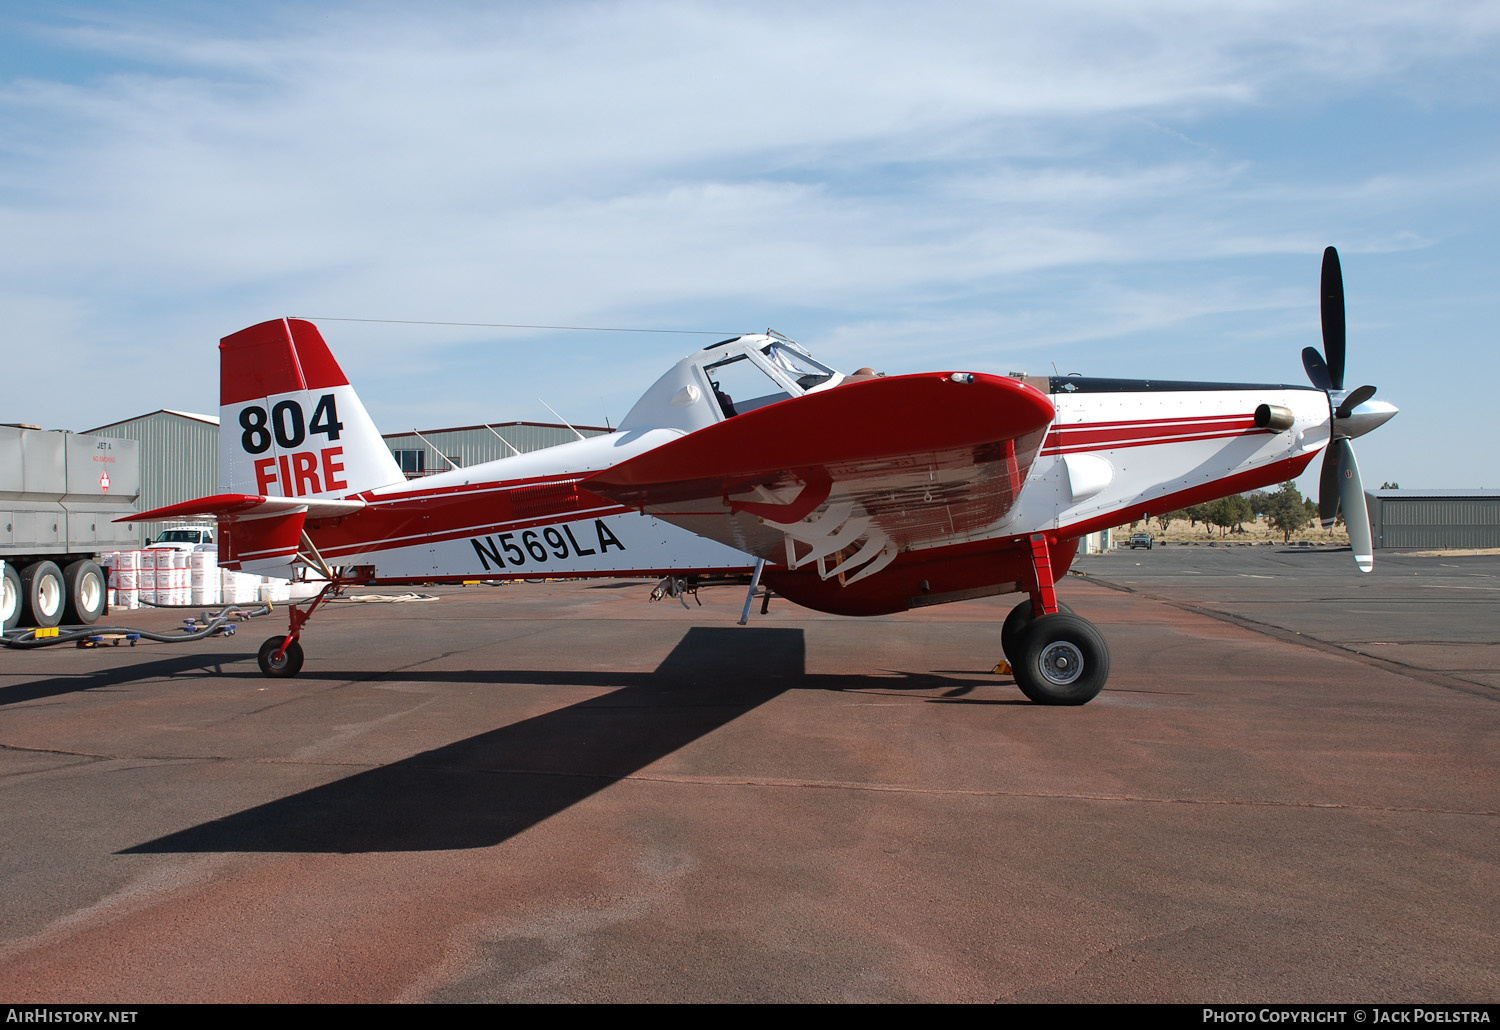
pixel 886 177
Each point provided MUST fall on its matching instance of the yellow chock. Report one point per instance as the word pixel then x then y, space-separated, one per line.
pixel 1003 669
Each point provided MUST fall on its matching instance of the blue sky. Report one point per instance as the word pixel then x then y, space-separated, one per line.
pixel 1134 190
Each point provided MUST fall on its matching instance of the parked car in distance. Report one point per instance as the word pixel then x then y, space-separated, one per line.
pixel 1140 540
pixel 183 538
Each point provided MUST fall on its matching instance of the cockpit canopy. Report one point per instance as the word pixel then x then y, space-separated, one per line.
pixel 727 379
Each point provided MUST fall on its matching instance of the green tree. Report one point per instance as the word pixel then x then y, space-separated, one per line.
pixel 1200 513
pixel 1228 513
pixel 1244 512
pixel 1287 511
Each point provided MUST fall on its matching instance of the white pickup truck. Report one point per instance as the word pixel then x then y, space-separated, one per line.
pixel 183 538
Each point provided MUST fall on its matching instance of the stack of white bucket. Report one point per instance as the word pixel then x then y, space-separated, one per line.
pixel 122 571
pixel 181 579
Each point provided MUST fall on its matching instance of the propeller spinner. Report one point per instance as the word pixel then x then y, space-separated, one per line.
pixel 1351 413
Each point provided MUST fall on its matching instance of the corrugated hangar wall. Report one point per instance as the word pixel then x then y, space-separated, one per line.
pixel 1436 519
pixel 179 457
pixel 471 445
pixel 180 451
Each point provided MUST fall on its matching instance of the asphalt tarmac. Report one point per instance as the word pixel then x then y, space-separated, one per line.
pixel 559 792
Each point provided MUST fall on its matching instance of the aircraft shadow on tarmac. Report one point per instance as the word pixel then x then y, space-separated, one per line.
pixel 483 790
pixel 161 668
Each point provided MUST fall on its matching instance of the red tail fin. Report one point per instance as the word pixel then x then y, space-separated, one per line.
pixel 290 423
pixel 273 358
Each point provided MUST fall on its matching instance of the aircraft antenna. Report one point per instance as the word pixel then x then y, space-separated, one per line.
pixel 504 441
pixel 440 454
pixel 560 418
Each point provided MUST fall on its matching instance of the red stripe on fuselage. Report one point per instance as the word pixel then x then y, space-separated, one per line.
pixel 363 543
pixel 457 512
pixel 416 489
pixel 1092 436
pixel 469 577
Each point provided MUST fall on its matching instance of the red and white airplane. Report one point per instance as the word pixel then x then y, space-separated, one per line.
pixel 851 494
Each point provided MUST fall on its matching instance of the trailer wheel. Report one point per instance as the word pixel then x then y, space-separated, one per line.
pixel 85 583
pixel 42 594
pixel 10 598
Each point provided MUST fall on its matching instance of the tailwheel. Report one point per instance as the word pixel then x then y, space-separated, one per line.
pixel 278 662
pixel 1063 660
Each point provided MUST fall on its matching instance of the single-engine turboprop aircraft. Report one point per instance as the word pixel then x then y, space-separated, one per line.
pixel 851 494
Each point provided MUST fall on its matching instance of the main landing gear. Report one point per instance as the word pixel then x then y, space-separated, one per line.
pixel 1056 657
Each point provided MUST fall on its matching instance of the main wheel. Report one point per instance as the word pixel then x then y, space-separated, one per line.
pixel 85 583
pixel 10 598
pixel 1064 660
pixel 42 594
pixel 289 664
pixel 1015 628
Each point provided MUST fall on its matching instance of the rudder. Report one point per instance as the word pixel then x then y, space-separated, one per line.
pixel 290 423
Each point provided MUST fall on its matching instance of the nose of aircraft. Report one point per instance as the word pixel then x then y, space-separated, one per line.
pixel 1372 414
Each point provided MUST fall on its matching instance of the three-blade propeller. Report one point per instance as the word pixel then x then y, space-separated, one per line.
pixel 1339 485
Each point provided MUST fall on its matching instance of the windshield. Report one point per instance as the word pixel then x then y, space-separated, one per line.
pixel 800 367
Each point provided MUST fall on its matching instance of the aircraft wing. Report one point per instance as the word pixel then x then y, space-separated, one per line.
pixel 847 477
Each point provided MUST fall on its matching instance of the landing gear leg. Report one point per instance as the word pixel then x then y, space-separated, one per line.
pixel 1056 657
pixel 281 657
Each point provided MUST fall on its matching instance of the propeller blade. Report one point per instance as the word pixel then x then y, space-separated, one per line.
pixel 1333 317
pixel 1328 485
pixel 1352 499
pixel 1317 370
pixel 1356 397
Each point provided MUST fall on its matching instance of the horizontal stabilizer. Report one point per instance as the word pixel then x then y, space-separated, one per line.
pixel 241 507
pixel 256 534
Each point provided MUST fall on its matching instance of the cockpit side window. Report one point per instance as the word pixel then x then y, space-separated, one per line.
pixel 740 385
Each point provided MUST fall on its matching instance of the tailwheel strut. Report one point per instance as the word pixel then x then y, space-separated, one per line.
pixel 281 657
pixel 1057 657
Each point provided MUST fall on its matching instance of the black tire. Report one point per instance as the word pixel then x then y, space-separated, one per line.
pixel 42 594
pixel 290 663
pixel 1015 628
pixel 86 597
pixel 1064 661
pixel 10 598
